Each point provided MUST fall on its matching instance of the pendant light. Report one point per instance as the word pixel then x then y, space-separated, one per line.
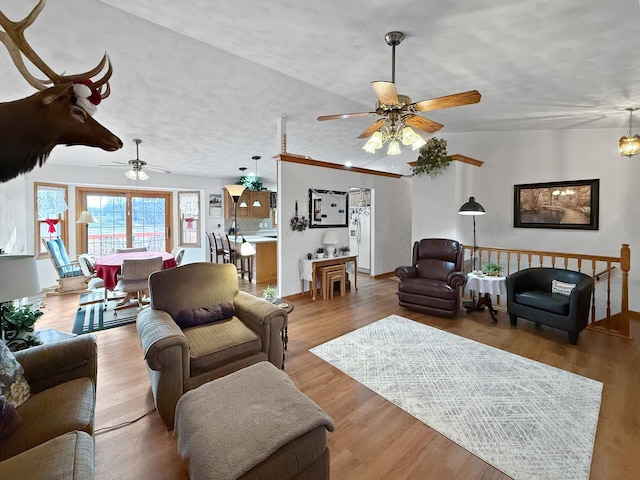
pixel 243 204
pixel 629 146
pixel 256 202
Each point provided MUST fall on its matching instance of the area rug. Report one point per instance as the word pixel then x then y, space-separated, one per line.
pixel 525 418
pixel 93 317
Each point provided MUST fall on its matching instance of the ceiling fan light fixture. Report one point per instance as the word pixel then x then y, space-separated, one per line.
pixel 394 148
pixel 629 146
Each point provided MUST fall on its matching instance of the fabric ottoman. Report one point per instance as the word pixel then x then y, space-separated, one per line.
pixel 252 424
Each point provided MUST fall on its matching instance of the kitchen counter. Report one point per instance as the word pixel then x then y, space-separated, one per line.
pixel 265 265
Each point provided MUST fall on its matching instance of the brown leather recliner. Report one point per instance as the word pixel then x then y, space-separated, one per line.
pixel 432 283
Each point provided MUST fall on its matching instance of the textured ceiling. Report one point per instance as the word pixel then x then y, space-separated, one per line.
pixel 204 83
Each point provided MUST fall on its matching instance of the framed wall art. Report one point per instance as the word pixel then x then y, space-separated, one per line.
pixel 327 208
pixel 567 205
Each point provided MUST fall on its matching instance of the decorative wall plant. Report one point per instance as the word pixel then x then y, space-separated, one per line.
pixel 433 158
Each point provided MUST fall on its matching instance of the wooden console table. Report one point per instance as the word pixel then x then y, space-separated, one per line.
pixel 308 270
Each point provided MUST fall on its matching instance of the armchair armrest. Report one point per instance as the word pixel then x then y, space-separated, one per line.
pixel 266 320
pixel 158 332
pixel 48 365
pixel 405 272
pixel 456 279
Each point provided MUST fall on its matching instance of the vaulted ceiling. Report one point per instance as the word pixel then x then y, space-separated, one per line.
pixel 204 83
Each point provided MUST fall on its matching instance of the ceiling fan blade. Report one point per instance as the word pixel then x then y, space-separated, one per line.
pixel 455 100
pixel 372 128
pixel 346 115
pixel 386 92
pixel 156 168
pixel 422 123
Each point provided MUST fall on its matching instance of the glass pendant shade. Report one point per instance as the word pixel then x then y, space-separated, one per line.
pixel 256 203
pixel 394 148
pixel 136 175
pixel 629 146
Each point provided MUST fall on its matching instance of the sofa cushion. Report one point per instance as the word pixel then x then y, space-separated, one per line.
pixel 67 457
pixel 219 343
pixel 550 302
pixel 9 418
pixel 427 287
pixel 12 382
pixel 64 408
pixel 201 316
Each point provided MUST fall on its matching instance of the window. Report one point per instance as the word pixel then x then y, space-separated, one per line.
pixel 124 219
pixel 189 226
pixel 51 215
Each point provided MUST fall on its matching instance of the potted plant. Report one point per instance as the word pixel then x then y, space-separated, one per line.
pixel 433 158
pixel 18 326
pixel 492 269
pixel 344 250
pixel 320 252
pixel 269 294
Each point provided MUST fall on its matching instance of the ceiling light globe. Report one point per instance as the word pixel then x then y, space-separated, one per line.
pixel 394 148
pixel 629 146
pixel 369 146
pixel 143 176
pixel 130 174
pixel 377 140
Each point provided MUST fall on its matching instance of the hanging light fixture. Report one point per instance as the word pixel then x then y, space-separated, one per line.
pixel 243 204
pixel 629 146
pixel 256 202
pixel 395 135
pixel 136 173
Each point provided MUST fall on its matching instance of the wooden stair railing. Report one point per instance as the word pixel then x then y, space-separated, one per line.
pixel 594 265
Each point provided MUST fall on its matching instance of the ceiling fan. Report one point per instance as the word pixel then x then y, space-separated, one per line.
pixel 137 166
pixel 398 111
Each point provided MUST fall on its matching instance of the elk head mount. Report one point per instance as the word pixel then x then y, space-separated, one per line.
pixel 58 114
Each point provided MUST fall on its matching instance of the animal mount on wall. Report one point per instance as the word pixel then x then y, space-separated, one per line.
pixel 58 114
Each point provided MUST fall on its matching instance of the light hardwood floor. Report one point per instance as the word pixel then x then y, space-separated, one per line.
pixel 373 438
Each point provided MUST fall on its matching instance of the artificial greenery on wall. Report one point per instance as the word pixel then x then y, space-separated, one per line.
pixel 433 159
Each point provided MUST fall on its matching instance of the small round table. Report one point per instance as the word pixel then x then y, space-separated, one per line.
pixel 487 285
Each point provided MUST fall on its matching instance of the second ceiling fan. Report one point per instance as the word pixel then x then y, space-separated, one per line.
pixel 398 111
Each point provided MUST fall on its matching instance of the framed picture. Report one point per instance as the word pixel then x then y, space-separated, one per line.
pixel 327 208
pixel 567 205
pixel 215 204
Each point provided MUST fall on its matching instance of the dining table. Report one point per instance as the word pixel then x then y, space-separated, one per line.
pixel 108 267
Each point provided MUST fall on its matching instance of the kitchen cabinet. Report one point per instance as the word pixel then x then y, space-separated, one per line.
pixel 249 197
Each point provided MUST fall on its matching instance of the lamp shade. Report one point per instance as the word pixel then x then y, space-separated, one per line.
pixel 18 277
pixel 86 217
pixel 246 249
pixel 471 208
pixel 330 238
pixel 235 191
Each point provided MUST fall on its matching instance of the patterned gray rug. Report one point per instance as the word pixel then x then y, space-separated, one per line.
pixel 525 418
pixel 93 317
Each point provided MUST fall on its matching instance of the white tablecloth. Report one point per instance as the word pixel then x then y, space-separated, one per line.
pixel 486 284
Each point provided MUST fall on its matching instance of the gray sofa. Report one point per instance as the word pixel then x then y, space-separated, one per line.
pixel 530 296
pixel 54 440
pixel 181 359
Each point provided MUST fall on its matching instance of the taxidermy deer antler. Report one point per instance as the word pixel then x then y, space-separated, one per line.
pixel 58 114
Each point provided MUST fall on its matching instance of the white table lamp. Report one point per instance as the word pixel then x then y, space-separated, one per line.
pixel 330 239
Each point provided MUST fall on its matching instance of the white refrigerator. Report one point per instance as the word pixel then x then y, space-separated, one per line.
pixel 360 236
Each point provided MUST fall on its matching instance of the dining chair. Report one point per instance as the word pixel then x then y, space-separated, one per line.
pixel 134 278
pixel 178 253
pixel 94 282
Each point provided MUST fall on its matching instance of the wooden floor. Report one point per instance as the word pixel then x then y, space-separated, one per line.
pixel 373 438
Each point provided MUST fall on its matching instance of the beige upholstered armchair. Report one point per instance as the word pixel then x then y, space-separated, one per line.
pixel 180 359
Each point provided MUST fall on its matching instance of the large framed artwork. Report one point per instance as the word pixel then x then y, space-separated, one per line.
pixel 568 205
pixel 328 208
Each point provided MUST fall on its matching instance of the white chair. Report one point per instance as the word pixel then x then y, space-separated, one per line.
pixel 178 253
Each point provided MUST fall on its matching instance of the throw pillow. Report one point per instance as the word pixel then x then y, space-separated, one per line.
pixel 201 316
pixel 561 287
pixel 12 382
pixel 9 418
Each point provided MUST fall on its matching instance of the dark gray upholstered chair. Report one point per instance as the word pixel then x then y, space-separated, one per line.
pixel 530 296
pixel 432 283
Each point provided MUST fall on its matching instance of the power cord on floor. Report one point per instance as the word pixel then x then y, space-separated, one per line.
pixel 123 424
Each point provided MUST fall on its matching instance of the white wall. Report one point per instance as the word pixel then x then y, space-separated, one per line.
pixel 391 217
pixel 529 157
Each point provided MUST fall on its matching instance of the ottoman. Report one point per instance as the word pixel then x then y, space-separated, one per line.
pixel 252 424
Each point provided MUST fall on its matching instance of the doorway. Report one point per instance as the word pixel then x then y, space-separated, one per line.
pixel 360 227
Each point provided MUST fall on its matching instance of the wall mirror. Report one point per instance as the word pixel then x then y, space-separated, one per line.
pixel 327 208
pixel 189 226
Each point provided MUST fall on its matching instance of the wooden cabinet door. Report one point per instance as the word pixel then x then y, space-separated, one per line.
pixel 243 212
pixel 263 211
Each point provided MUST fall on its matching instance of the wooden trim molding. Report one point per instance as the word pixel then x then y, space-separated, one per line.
pixel 293 158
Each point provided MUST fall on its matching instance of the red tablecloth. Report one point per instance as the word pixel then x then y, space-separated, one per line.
pixel 108 267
